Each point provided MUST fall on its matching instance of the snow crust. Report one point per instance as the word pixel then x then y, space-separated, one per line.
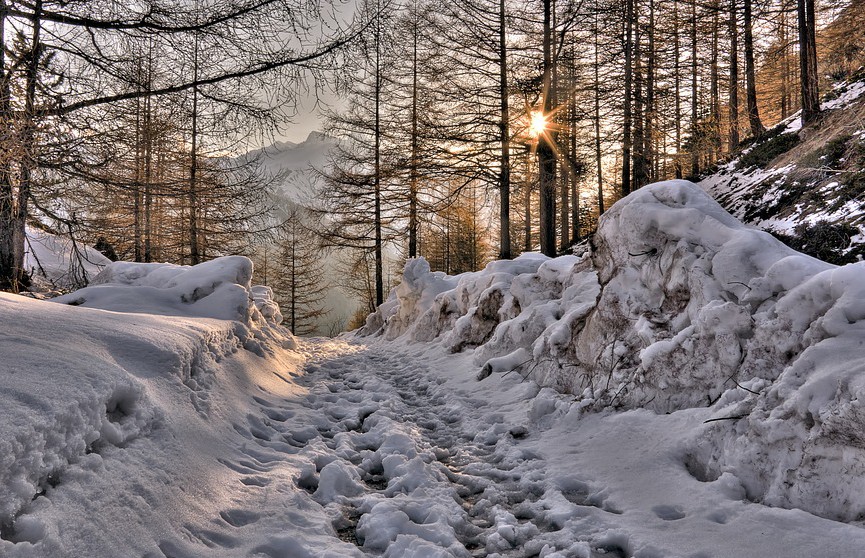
pixel 60 262
pixel 112 424
pixel 220 288
pixel 678 305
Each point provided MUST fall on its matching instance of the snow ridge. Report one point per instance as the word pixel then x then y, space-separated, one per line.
pixel 679 305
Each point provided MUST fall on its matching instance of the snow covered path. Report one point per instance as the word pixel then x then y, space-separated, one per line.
pixel 409 456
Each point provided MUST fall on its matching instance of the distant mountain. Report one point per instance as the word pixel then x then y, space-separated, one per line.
pixel 294 163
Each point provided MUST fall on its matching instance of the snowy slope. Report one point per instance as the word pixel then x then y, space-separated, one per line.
pixel 122 432
pixel 678 306
pixel 60 263
pixel 811 175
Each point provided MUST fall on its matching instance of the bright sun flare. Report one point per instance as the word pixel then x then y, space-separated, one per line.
pixel 538 125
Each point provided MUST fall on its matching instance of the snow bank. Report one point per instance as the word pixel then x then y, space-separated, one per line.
pixel 660 314
pixel 219 288
pixel 60 262
pixel 679 305
pixel 120 419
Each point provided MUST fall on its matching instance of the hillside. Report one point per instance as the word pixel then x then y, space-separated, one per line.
pixel 806 186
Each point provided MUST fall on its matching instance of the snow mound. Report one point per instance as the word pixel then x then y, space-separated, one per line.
pixel 61 262
pixel 659 315
pixel 679 305
pixel 107 414
pixel 219 288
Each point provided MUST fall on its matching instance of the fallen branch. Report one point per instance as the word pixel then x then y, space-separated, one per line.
pixel 735 417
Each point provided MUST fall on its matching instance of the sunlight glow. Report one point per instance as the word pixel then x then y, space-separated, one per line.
pixel 538 124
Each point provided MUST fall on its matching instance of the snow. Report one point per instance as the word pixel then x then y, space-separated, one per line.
pixel 219 288
pixel 139 423
pixel 60 262
pixel 754 194
pixel 678 306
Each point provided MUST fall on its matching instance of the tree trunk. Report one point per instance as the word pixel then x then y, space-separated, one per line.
pixel 194 256
pixel 598 155
pixel 148 162
pixel 695 152
pixel 751 75
pixel 715 81
pixel 649 134
pixel 8 271
pixel 734 76
pixel 527 206
pixel 28 148
pixel 572 151
pixel 546 153
pixel 626 132
pixel 413 171
pixel 808 61
pixel 138 248
pixel 677 89
pixel 639 144
pixel 379 264
pixel 784 38
pixel 505 140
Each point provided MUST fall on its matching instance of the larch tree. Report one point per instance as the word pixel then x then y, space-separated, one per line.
pixel 299 285
pixel 84 37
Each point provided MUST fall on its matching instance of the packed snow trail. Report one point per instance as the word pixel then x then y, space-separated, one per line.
pixel 408 458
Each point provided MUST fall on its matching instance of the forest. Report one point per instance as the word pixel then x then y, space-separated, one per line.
pixel 465 132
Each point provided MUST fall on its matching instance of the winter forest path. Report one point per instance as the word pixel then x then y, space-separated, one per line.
pixel 394 457
pixel 401 453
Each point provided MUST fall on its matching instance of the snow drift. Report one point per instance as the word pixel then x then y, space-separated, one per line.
pixel 121 417
pixel 678 305
pixel 220 288
pixel 59 262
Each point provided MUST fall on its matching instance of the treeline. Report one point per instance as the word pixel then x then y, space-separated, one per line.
pixel 122 122
pixel 467 130
pixel 483 128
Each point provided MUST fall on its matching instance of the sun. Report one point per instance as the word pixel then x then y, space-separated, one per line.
pixel 538 124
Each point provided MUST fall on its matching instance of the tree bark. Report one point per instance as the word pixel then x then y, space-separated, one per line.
pixel 715 81
pixel 379 263
pixel 639 145
pixel 598 155
pixel 505 140
pixel 28 147
pixel 649 134
pixel 677 90
pixel 194 256
pixel 546 152
pixel 751 74
pixel 808 61
pixel 413 170
pixel 8 273
pixel 626 131
pixel 734 76
pixel 695 152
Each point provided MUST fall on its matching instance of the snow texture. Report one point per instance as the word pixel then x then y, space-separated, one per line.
pixel 60 262
pixel 678 306
pixel 136 427
pixel 219 288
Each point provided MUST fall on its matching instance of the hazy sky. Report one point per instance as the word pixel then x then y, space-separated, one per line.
pixel 308 118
